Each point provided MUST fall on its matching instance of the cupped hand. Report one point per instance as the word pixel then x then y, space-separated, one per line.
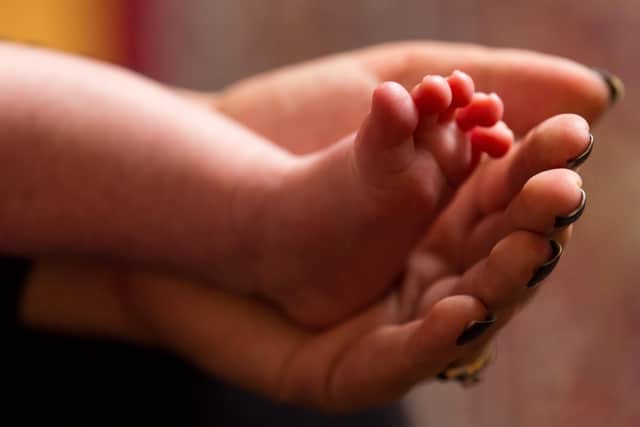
pixel 482 259
pixel 477 262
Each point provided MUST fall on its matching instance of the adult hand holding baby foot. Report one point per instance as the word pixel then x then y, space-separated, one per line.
pixel 472 262
pixel 535 87
pixel 472 271
pixel 345 219
pixel 494 242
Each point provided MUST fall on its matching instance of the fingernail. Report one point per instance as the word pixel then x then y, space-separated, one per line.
pixel 615 85
pixel 563 221
pixel 475 329
pixel 442 376
pixel 577 161
pixel 545 269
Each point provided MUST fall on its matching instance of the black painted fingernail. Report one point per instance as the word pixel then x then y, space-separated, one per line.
pixel 545 269
pixel 442 376
pixel 475 329
pixel 615 85
pixel 563 221
pixel 577 161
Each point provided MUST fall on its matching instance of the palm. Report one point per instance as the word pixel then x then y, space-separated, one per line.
pixel 461 238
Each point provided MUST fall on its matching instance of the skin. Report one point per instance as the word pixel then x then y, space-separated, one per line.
pixel 407 159
pixel 533 86
pixel 379 354
pixel 169 314
pixel 219 211
pixel 64 170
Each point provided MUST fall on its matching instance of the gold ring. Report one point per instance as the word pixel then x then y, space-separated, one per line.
pixel 468 374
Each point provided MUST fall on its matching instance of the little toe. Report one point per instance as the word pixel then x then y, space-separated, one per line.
pixel 383 143
pixel 483 110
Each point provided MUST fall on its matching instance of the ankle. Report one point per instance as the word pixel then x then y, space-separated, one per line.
pixel 251 217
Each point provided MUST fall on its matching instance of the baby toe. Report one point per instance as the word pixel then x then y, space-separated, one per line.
pixel 483 110
pixel 495 140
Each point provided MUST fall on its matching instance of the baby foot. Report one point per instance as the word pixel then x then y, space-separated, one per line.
pixel 345 219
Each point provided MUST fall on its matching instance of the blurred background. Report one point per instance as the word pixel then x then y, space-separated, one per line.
pixel 572 358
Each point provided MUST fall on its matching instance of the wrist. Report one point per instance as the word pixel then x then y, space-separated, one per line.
pixel 77 299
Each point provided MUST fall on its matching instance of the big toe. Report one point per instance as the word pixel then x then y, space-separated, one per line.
pixel 384 142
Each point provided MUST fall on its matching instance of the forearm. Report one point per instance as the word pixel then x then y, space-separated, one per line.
pixel 96 161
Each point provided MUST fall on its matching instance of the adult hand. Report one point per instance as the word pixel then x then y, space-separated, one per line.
pixel 479 261
pixel 294 106
pixel 490 243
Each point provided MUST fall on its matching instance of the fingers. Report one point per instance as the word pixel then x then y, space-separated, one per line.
pixel 390 360
pixel 535 86
pixel 503 282
pixel 505 277
pixel 371 359
pixel 553 144
pixel 548 202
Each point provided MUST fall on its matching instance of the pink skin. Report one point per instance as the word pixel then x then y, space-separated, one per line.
pixel 347 218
